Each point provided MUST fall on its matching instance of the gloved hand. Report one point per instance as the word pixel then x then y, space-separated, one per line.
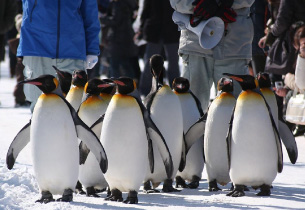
pixel 91 60
pixel 226 14
pixel 204 9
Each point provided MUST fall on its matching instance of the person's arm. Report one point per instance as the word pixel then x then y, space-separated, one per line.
pixel 8 21
pixel 89 12
pixel 284 18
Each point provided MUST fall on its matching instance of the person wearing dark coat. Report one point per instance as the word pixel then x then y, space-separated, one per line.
pixel 119 44
pixel 159 30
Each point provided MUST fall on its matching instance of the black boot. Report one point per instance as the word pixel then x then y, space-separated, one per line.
pixel 237 192
pixel 180 182
pixel 132 197
pixel 91 192
pixel 46 197
pixel 213 187
pixel 265 191
pixel 195 182
pixel 116 195
pixel 67 196
pixel 168 186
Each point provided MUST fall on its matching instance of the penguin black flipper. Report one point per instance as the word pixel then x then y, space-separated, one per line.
pixel 183 155
pixel 19 142
pixel 289 141
pixel 96 127
pixel 149 99
pixel 198 103
pixel 195 132
pixel 229 137
pixel 155 135
pixel 85 134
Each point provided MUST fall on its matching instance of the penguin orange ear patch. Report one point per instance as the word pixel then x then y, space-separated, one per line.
pixel 256 82
pixel 56 82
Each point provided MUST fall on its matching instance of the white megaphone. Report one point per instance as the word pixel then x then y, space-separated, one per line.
pixel 209 32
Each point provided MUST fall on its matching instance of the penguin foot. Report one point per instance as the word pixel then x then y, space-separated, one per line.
pixel 46 197
pixel 132 198
pixel 194 183
pixel 100 191
pixel 148 189
pixel 246 188
pixel 67 196
pixel 213 187
pixel 237 192
pixel 91 192
pixel 168 186
pixel 116 195
pixel 180 182
pixel 265 191
pixel 79 189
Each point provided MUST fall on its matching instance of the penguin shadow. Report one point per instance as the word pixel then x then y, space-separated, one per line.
pixel 288 193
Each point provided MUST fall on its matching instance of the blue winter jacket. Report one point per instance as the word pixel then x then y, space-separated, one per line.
pixel 59 29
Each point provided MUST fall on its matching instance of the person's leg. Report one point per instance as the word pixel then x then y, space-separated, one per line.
pixel 236 66
pixel 258 63
pixel 173 71
pixel 198 70
pixel 146 77
pixel 114 69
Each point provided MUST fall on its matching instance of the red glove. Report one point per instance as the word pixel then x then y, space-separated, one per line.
pixel 204 9
pixel 226 14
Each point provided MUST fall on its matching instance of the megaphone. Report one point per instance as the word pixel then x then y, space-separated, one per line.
pixel 209 32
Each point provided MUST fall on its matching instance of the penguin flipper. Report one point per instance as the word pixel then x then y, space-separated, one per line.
pixel 198 103
pixel 195 132
pixel 83 153
pixel 289 141
pixel 183 155
pixel 19 142
pixel 85 134
pixel 97 126
pixel 229 138
pixel 151 155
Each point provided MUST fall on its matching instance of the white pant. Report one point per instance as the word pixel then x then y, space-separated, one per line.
pixel 203 71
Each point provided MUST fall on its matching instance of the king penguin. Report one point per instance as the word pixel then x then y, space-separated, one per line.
pixel 216 128
pixel 166 112
pixel 90 174
pixel 126 131
pixel 284 131
pixel 253 143
pixel 191 111
pixel 65 80
pixel 76 93
pixel 53 132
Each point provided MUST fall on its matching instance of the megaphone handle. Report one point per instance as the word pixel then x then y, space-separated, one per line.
pixel 194 22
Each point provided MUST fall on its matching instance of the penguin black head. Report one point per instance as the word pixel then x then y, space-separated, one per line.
pixel 157 68
pixel 263 80
pixel 125 85
pixel 225 85
pixel 46 83
pixel 247 82
pixel 79 78
pixel 181 85
pixel 65 79
pixel 96 86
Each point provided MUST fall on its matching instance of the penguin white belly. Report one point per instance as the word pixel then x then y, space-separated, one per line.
pixel 194 159
pixel 75 96
pixel 253 147
pixel 54 145
pixel 124 139
pixel 166 113
pixel 215 146
pixel 90 173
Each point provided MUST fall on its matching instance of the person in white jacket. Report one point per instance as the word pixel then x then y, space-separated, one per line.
pixel 232 54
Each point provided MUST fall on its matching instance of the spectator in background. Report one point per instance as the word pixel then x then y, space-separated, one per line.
pixel 159 30
pixel 63 34
pixel 118 43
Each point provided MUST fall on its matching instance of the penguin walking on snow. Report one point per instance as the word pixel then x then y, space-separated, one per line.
pixel 126 131
pixel 53 132
pixel 254 147
pixel 94 106
pixel 285 133
pixel 216 128
pixel 166 112
pixel 191 111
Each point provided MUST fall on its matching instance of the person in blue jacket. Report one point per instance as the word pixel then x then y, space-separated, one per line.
pixel 57 33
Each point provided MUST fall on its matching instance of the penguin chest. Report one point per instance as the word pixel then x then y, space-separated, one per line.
pixel 253 146
pixel 74 96
pixel 124 139
pixel 54 145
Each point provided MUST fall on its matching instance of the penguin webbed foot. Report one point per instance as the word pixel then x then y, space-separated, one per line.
pixel 168 186
pixel 264 190
pixel 79 189
pixel 91 192
pixel 194 184
pixel 237 192
pixel 67 196
pixel 116 195
pixel 46 197
pixel 132 198
pixel 148 189
pixel 180 182
pixel 213 187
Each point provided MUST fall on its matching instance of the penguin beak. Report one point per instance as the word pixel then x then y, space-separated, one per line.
pixel 104 85
pixel 118 82
pixel 59 72
pixel 238 79
pixel 31 81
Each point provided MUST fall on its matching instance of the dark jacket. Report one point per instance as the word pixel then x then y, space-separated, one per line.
pixel 8 11
pixel 157 23
pixel 119 32
pixel 59 29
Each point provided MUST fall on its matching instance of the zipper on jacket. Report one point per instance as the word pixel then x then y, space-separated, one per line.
pixel 33 10
pixel 58 29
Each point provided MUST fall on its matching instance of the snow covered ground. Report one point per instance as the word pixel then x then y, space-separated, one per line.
pixel 19 190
